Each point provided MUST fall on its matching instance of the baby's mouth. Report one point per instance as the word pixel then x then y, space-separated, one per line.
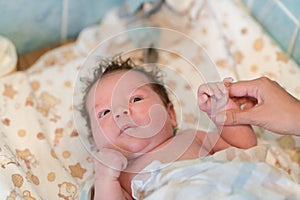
pixel 125 128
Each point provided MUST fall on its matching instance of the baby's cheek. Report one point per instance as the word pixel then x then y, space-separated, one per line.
pixel 141 116
pixel 104 136
pixel 99 140
pixel 147 114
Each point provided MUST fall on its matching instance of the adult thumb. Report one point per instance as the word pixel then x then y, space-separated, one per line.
pixel 237 117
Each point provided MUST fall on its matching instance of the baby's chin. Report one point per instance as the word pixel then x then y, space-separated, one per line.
pixel 130 154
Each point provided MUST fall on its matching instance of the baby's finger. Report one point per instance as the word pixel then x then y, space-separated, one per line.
pixel 216 91
pixel 202 99
pixel 222 90
pixel 205 89
pixel 210 89
pixel 204 102
pixel 227 81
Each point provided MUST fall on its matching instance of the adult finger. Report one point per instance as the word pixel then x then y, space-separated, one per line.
pixel 245 88
pixel 238 117
pixel 245 102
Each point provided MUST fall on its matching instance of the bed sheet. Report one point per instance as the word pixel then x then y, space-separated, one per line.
pixel 42 155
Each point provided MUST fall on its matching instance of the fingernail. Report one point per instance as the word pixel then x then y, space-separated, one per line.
pixel 228 79
pixel 221 118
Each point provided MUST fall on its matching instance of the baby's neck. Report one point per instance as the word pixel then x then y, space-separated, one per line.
pixel 173 149
pixel 137 164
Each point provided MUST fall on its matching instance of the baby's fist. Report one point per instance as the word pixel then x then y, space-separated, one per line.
pixel 110 161
pixel 212 98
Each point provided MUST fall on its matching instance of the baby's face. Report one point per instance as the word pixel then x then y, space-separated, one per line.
pixel 127 114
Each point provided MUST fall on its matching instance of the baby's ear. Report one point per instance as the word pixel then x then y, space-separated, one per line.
pixel 172 114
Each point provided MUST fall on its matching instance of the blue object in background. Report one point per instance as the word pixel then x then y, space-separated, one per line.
pixel 281 19
pixel 34 24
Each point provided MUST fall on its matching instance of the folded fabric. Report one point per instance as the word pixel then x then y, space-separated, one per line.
pixel 216 177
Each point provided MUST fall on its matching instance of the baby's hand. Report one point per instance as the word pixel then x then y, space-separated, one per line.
pixel 109 163
pixel 213 98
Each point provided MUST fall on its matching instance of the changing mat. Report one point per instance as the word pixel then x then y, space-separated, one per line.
pixel 42 155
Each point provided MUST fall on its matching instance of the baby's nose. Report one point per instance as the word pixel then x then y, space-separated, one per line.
pixel 120 112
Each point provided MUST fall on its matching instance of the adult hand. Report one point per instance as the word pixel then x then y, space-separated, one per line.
pixel 276 110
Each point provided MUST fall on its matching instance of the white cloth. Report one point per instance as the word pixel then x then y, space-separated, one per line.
pixel 215 177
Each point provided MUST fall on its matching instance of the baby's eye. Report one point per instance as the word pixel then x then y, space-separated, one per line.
pixel 136 99
pixel 103 113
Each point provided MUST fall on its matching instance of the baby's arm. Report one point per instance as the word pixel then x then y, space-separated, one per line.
pixel 213 98
pixel 108 166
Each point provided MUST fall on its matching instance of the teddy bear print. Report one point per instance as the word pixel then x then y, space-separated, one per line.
pixel 46 102
pixel 288 144
pixel 30 100
pixel 6 160
pixel 58 135
pixel 27 157
pixel 34 179
pixel 27 195
pixel 12 195
pixel 67 191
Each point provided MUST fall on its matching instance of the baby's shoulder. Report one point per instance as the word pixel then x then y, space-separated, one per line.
pixel 193 133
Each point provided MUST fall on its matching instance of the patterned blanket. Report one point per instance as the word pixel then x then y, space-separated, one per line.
pixel 44 156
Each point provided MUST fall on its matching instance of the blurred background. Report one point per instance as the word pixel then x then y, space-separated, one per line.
pixel 34 25
pixel 281 19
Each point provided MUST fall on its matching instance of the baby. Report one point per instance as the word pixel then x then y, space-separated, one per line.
pixel 133 123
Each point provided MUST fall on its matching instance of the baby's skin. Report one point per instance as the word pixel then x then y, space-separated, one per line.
pixel 114 170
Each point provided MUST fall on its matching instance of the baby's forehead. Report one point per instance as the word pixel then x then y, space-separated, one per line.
pixel 122 81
